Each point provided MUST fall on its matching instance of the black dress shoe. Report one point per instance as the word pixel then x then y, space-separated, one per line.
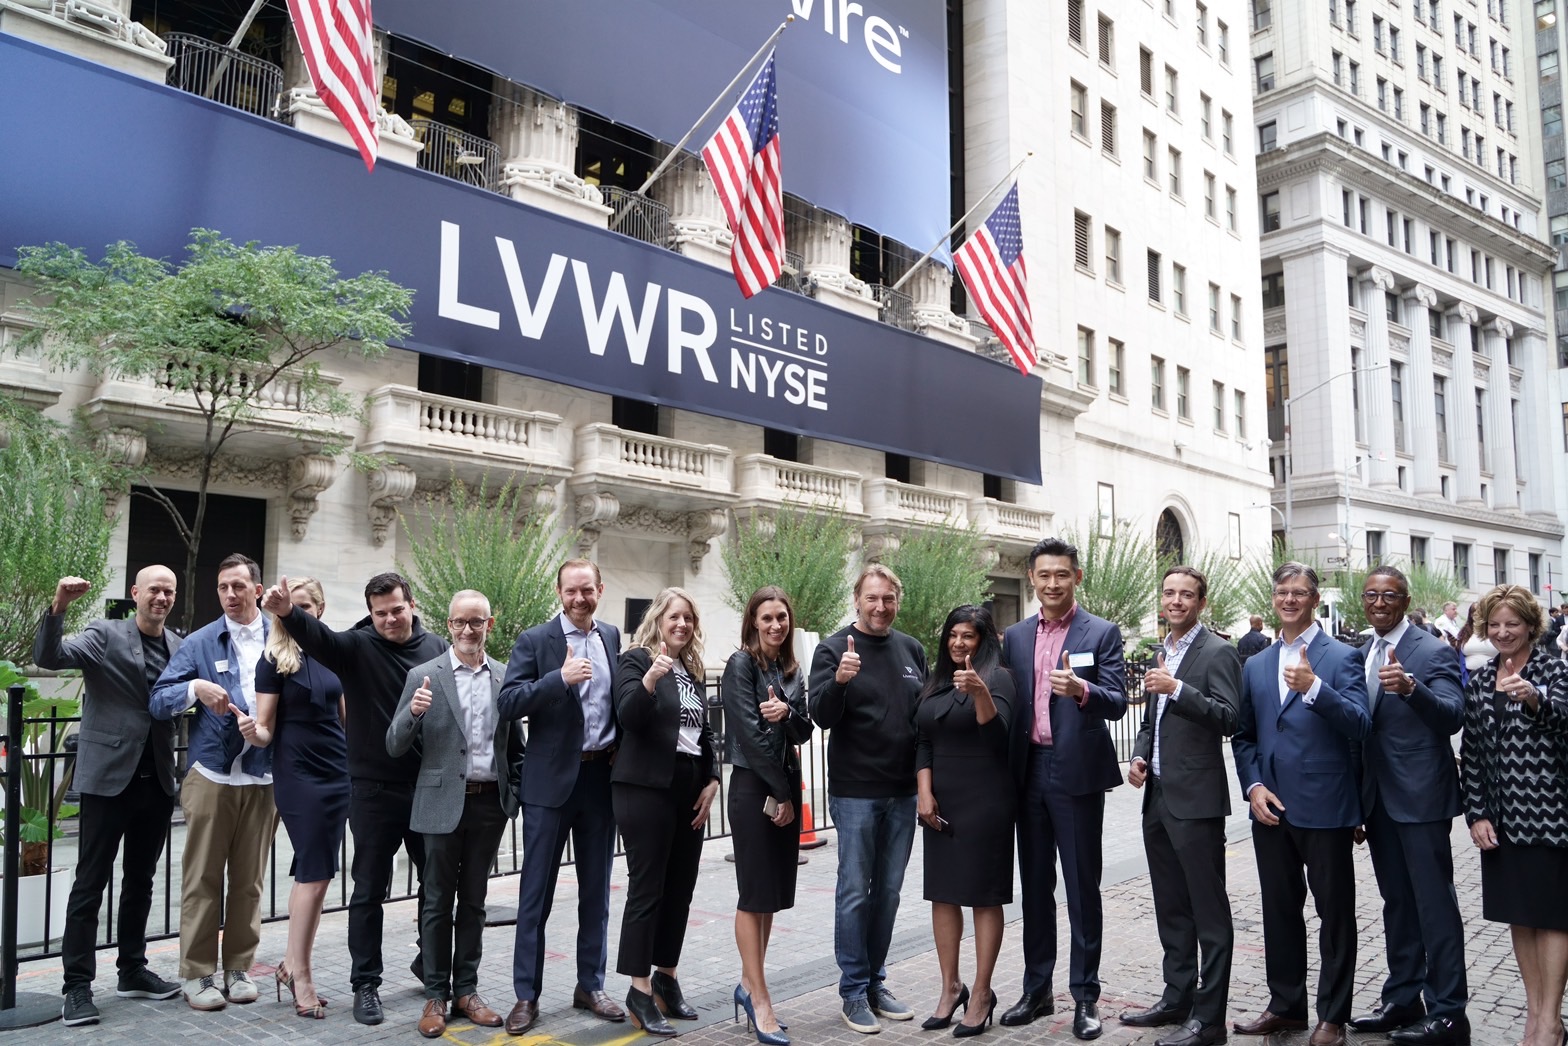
pixel 367 1006
pixel 1161 1013
pixel 1435 1031
pixel 1193 1032
pixel 1387 1017
pixel 1029 1007
pixel 1086 1021
pixel 667 994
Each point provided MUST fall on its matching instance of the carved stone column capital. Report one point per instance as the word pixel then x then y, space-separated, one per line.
pixel 1465 311
pixel 390 485
pixel 309 475
pixel 1422 295
pixel 1502 326
pixel 594 513
pixel 1379 277
pixel 702 527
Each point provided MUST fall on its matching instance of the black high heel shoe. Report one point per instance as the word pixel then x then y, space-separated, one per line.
pixel 935 1023
pixel 645 1015
pixel 667 995
pixel 964 1031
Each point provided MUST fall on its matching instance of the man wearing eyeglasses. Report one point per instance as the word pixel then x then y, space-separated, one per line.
pixel 1409 798
pixel 469 756
pixel 372 659
pixel 1303 712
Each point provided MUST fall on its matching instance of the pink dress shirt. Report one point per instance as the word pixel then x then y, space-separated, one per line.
pixel 1049 642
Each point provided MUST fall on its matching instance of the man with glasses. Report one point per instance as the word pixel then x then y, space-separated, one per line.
pixel 1409 798
pixel 372 659
pixel 1303 712
pixel 469 757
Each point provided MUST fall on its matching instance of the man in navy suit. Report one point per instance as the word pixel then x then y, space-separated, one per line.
pixel 1409 798
pixel 1067 665
pixel 1303 712
pixel 559 676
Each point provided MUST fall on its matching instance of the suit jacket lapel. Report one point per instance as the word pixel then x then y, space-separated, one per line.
pixel 446 679
pixel 1190 658
pixel 501 725
pixel 1032 634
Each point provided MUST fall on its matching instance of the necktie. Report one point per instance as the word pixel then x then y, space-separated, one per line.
pixel 1374 664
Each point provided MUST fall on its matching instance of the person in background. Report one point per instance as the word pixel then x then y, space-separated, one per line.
pixel 662 784
pixel 764 719
pixel 1448 623
pixel 1475 647
pixel 1516 799
pixel 299 715
pixel 1254 642
pixel 965 801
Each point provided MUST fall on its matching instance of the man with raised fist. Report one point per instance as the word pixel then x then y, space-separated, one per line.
pixel 1303 714
pixel 1409 798
pixel 372 659
pixel 865 685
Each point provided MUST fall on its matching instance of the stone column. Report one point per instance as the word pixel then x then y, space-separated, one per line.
pixel 1537 424
pixel 1499 416
pixel 1419 392
pixel 932 291
pixel 697 224
pixel 1461 406
pixel 537 136
pixel 1317 319
pixel 1376 380
pixel 824 242
pixel 395 141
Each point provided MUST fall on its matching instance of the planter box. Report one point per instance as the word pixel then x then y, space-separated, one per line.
pixel 30 906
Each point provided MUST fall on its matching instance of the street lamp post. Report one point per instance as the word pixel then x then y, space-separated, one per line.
pixel 1290 492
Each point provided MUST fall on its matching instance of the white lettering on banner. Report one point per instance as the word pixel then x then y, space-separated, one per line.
pixel 798 376
pixel 882 44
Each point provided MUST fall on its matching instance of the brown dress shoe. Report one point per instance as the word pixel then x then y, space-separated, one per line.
pixel 1326 1034
pixel 432 1023
pixel 474 1008
pixel 522 1016
pixel 1269 1023
pixel 598 1003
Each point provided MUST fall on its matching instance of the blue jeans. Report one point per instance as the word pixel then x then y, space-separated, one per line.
pixel 874 840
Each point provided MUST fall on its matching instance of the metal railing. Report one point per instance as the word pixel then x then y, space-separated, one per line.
pixel 990 346
pixel 226 76
pixel 456 154
pixel 639 217
pixel 897 307
pixel 792 279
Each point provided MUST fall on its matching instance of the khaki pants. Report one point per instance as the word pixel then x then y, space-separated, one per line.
pixel 226 827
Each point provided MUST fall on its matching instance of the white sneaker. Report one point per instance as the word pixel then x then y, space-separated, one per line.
pixel 202 994
pixel 238 986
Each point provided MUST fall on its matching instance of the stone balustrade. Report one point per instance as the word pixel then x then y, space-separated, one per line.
pixel 614 453
pixel 766 480
pixel 404 420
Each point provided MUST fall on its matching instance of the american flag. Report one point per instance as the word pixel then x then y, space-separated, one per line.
pixel 743 160
pixel 336 37
pixel 991 262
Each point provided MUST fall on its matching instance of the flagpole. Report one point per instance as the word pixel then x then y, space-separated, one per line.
pixel 938 245
pixel 675 152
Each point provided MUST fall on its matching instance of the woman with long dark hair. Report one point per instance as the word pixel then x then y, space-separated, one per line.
pixel 661 786
pixel 764 719
pixel 966 805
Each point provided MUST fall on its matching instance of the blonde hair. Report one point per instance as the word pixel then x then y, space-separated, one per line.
pixel 647 636
pixel 885 573
pixel 281 647
pixel 1516 598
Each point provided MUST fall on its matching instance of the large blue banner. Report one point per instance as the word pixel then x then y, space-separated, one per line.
pixel 94 156
pixel 862 85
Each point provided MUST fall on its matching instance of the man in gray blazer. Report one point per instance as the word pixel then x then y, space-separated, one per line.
pixel 125 773
pixel 1193 697
pixel 464 796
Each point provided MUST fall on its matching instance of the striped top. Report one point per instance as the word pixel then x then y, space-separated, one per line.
pixel 1515 762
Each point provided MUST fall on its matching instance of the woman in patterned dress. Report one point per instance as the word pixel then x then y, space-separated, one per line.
pixel 1515 773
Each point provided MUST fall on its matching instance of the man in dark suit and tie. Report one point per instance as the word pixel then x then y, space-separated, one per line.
pixel 1193 697
pixel 1067 665
pixel 1409 798
pixel 1303 712
pixel 559 677
pixel 125 774
pixel 465 794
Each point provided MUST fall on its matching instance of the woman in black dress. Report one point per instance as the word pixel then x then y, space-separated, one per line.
pixel 764 719
pixel 661 787
pixel 1516 798
pixel 966 805
pixel 299 712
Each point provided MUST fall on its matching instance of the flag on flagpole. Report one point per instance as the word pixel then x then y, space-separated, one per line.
pixel 336 38
pixel 743 160
pixel 991 263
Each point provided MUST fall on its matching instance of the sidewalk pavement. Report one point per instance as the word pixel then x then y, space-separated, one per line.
pixel 802 974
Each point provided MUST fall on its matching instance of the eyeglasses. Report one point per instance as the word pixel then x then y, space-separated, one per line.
pixel 468 624
pixel 1382 597
pixel 1293 593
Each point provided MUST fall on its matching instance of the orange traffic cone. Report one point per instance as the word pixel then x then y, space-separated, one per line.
pixel 808 828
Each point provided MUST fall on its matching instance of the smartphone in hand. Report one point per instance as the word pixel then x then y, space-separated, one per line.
pixel 770 807
pixel 940 823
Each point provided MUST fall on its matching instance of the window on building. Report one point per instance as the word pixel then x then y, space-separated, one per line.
pixel 452 378
pixel 1113 255
pixel 1480 430
pixel 1273 290
pixel 1075 21
pixel 1440 411
pixel 1172 90
pixel 1085 356
pixel 1262 15
pixel 1107 41
pixel 1219 406
pixel 1239 406
pixel 1267 139
pixel 1276 387
pixel 1418 551
pixel 1374 548
pixel 1396 378
pixel 1081 237
pixel 1551 120
pixel 1230 208
pixel 1462 563
pixel 1214 308
pixel 1235 318
pixel 1546 65
pixel 1154 266
pixel 1108 128
pixel 1391 307
pixel 1146 72
pixel 1183 397
pixel 1263 68
pixel 1209 189
pixel 1173 170
pixel 1206 117
pixel 1079 103
pixel 1179 288
pixel 1499 566
pixel 1226 128
pixel 1116 366
pixel 1150 168
pixel 1355 78
pixel 1202 24
pixel 635 415
pixel 1224 42
pixel 1156 383
pixel 1535 572
pixel 1270 211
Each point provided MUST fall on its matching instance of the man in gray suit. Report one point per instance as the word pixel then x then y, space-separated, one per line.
pixel 125 773
pixel 1193 698
pixel 465 794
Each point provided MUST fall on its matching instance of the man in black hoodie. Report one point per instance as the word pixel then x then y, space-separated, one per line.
pixel 373 659
pixel 865 684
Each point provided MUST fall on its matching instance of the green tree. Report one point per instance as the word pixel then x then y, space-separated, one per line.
pixel 52 523
pixel 1229 600
pixel 235 330
pixel 1121 575
pixel 803 551
pixel 941 568
pixel 500 544
pixel 1257 577
pixel 1430 588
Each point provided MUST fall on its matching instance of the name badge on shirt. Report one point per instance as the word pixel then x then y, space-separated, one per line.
pixel 1085 659
pixel 220 666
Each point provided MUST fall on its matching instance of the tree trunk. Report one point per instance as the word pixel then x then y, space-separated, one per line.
pixel 35 858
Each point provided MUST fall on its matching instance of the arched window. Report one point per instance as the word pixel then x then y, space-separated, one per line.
pixel 1168 538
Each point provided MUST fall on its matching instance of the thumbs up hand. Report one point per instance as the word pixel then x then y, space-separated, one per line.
pixel 968 681
pixel 1065 681
pixel 420 704
pixel 1393 677
pixel 848 665
pixel 576 669
pixel 1158 680
pixel 772 709
pixel 1299 676
pixel 659 669
pixel 276 599
pixel 1512 683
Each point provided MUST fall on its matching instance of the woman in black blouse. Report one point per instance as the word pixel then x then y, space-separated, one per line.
pixel 662 785
pixel 764 719
pixel 1516 799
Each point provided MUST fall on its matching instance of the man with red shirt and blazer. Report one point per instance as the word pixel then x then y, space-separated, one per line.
pixel 1071 679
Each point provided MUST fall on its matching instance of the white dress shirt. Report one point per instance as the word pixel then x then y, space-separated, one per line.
pixel 476 697
pixel 1173 657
